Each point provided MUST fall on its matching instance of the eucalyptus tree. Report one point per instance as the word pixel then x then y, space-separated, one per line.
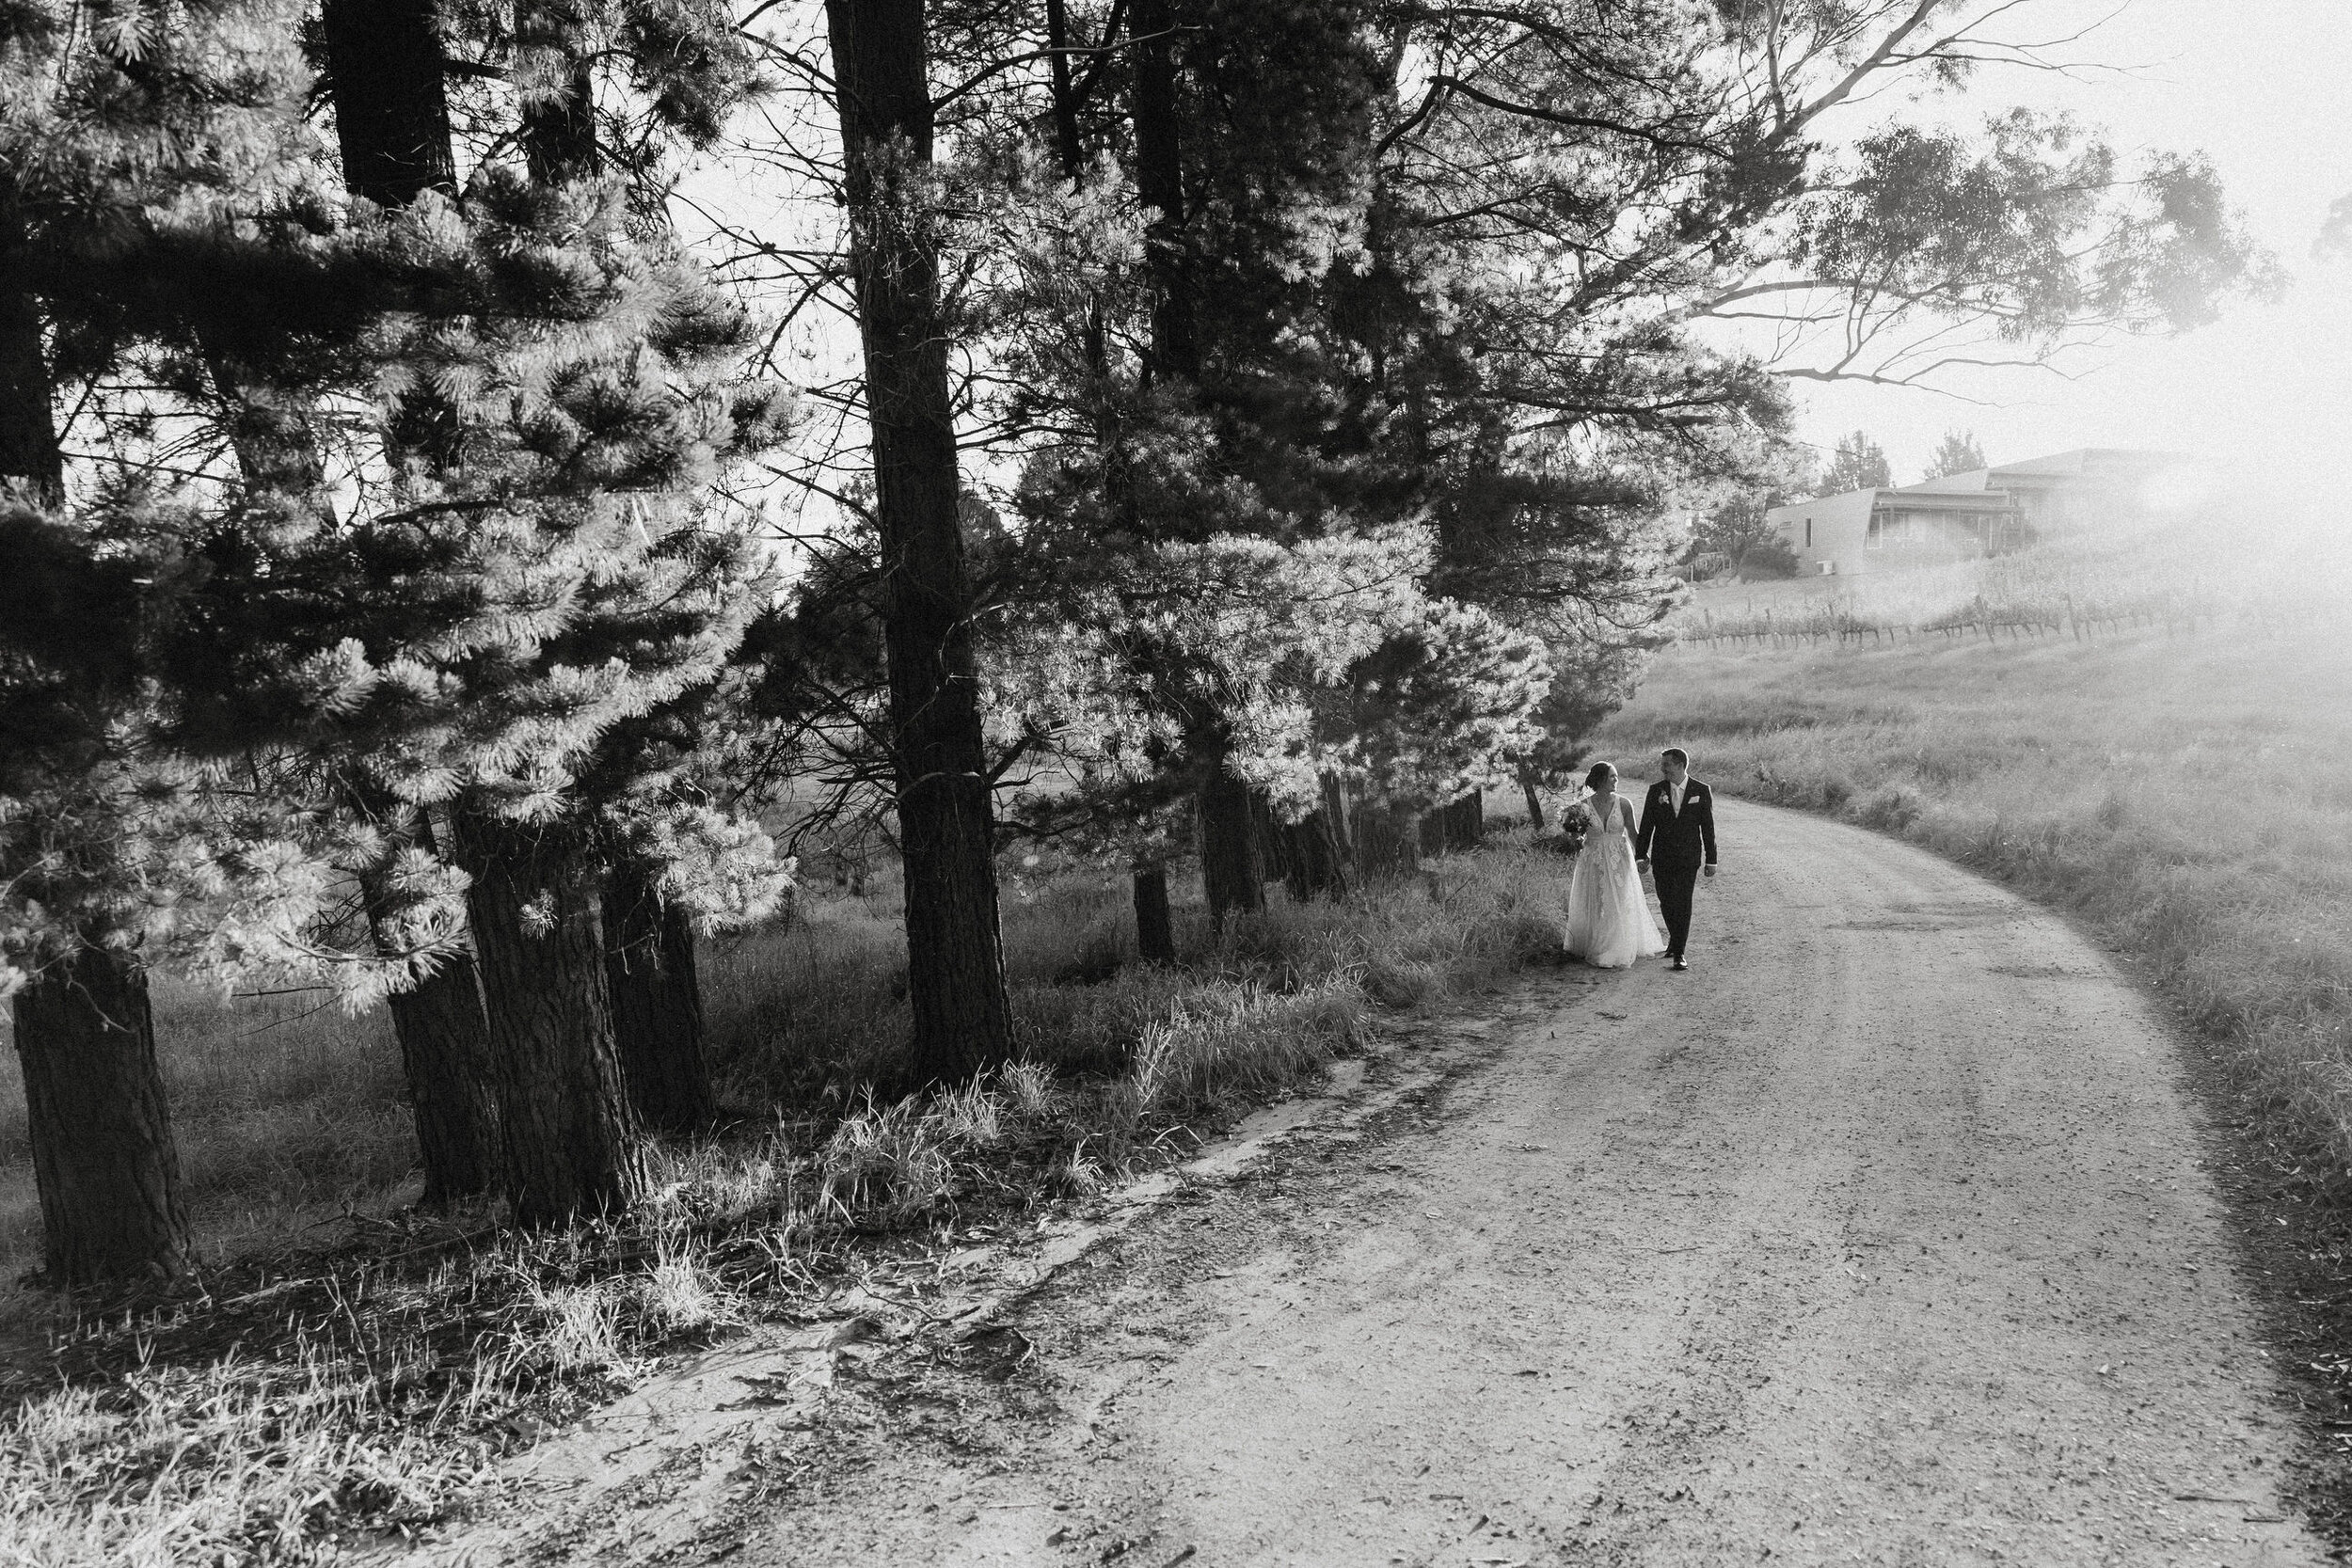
pixel 1858 464
pixel 1957 454
pixel 1607 237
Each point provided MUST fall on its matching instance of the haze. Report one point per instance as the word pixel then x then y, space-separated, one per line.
pixel 2263 392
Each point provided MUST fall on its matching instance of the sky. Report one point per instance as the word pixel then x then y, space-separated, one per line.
pixel 2264 88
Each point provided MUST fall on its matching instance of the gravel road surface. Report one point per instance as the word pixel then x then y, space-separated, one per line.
pixel 1881 1236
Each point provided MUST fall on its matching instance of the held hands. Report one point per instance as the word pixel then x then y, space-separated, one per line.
pixel 1710 871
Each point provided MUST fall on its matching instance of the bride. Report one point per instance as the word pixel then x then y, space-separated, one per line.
pixel 1609 923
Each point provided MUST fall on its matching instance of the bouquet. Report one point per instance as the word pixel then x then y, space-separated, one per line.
pixel 1574 823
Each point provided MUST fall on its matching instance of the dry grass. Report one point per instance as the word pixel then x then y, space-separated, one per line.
pixel 809 1013
pixel 292 1412
pixel 2190 793
pixel 316 1397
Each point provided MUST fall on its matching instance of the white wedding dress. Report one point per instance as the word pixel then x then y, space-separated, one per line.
pixel 1609 920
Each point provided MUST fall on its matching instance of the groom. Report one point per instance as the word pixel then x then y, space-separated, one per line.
pixel 1677 832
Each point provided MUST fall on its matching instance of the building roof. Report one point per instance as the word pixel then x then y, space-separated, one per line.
pixel 1817 500
pixel 1954 489
pixel 1931 496
pixel 2089 460
pixel 1934 497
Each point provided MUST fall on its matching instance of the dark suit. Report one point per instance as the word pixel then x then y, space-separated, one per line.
pixel 1677 843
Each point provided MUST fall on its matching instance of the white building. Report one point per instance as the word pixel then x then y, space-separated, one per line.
pixel 1982 512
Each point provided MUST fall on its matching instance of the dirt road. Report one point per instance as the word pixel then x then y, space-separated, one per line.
pixel 1881 1236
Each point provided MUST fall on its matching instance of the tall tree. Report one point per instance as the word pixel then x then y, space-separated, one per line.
pixel 394 131
pixel 527 564
pixel 1957 454
pixel 1233 858
pixel 1859 464
pixel 962 1020
pixel 105 1162
pixel 127 155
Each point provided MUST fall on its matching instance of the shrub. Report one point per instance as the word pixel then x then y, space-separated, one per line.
pixel 1768 559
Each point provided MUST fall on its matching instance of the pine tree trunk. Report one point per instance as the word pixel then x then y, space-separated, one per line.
pixel 559 135
pixel 1338 820
pixel 1232 868
pixel 656 1004
pixel 386 74
pixel 1534 800
pixel 962 1020
pixel 1464 822
pixel 444 1037
pixel 1429 832
pixel 1273 844
pixel 1155 929
pixel 1296 867
pixel 442 1026
pixel 104 1159
pixel 1065 92
pixel 563 1113
pixel 1387 840
pixel 28 432
pixel 1160 186
pixel 1312 864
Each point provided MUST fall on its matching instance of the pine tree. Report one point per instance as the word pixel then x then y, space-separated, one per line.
pixel 103 1158
pixel 962 1020
pixel 525 566
pixel 130 143
pixel 1243 177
